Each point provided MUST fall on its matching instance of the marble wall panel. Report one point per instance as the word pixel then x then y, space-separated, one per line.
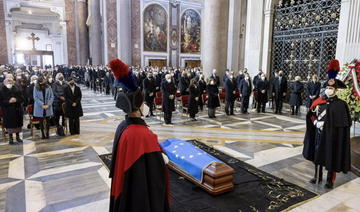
pixel 3 43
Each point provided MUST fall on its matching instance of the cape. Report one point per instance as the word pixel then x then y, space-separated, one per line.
pixel 138 172
pixel 335 145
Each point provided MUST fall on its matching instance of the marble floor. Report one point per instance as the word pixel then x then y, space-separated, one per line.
pixel 65 174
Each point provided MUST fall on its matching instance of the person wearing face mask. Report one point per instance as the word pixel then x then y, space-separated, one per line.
pixel 202 89
pixel 262 88
pixel 73 108
pixel 168 89
pixel 213 97
pixel 107 83
pixel 295 96
pixel 149 89
pixel 43 105
pixel 215 77
pixel 313 90
pixel 11 100
pixel 59 99
pixel 279 90
pixel 193 99
pixel 138 168
pixel 245 89
pixel 327 138
pixel 230 87
pixel 184 84
pixel 30 90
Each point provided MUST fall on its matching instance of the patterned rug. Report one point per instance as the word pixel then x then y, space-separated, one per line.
pixel 255 190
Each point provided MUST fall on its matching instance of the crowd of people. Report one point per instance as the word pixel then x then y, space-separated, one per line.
pixel 52 91
pixel 46 95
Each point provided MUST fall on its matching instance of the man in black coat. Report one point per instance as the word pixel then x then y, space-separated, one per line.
pixel 149 86
pixel 184 84
pixel 245 89
pixel 58 91
pixel 262 88
pixel 215 77
pixel 230 87
pixel 73 109
pixel 11 100
pixel 313 90
pixel 168 101
pixel 279 89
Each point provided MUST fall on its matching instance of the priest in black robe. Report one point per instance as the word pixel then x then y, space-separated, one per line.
pixel 138 168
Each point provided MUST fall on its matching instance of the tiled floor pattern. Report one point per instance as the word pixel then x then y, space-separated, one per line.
pixel 65 174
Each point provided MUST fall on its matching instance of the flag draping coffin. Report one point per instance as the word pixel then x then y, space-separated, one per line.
pixel 198 166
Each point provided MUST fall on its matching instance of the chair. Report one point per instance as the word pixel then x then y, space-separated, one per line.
pixel 222 96
pixel 66 120
pixel 158 105
pixel 159 94
pixel 1 123
pixel 205 98
pixel 32 120
pixel 185 103
pixel 177 99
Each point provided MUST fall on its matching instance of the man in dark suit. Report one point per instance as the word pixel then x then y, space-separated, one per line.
pixel 279 89
pixel 230 87
pixel 215 77
pixel 149 86
pixel 245 89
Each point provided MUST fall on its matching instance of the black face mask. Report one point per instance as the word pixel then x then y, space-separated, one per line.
pixel 72 83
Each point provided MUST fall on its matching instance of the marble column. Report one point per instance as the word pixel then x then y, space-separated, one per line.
pixel 82 32
pixel 124 31
pixel 136 32
pixel 3 43
pixel 71 32
pixel 111 30
pixel 236 37
pixel 254 36
pixel 95 32
pixel 267 40
pixel 215 36
pixel 348 43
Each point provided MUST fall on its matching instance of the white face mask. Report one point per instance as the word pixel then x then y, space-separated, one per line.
pixel 34 82
pixel 168 80
pixel 9 86
pixel 50 80
pixel 263 78
pixel 145 110
pixel 329 92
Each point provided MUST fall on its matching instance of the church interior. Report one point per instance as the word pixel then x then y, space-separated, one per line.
pixel 253 105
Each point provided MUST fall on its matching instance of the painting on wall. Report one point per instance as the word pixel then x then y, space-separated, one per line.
pixel 155 29
pixel 190 32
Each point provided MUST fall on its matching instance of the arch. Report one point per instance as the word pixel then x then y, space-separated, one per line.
pixel 190 31
pixel 155 28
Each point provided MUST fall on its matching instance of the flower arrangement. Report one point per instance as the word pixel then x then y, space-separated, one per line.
pixel 351 77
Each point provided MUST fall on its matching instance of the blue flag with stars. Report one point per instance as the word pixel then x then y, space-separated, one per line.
pixel 188 157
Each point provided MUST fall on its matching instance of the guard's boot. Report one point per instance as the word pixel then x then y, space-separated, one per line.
pixel 18 139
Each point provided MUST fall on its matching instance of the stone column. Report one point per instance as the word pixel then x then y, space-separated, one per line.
pixel 136 32
pixel 124 31
pixel 3 43
pixel 236 37
pixel 111 30
pixel 82 32
pixel 215 36
pixel 71 32
pixel 267 40
pixel 254 36
pixel 348 43
pixel 95 32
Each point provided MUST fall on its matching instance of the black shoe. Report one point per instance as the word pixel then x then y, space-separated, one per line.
pixel 292 113
pixel 19 140
pixel 147 116
pixel 329 185
pixel 11 141
pixel 263 111
pixel 276 112
pixel 313 181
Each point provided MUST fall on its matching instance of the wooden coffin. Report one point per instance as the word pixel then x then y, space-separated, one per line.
pixel 355 155
pixel 217 177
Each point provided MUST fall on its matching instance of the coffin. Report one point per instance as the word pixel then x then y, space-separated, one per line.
pixel 197 166
pixel 355 155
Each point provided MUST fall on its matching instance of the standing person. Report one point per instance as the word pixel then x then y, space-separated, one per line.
pixel 279 89
pixel 313 90
pixel 230 87
pixel 43 101
pixel 327 138
pixel 73 108
pixel 11 100
pixel 107 83
pixel 59 99
pixel 168 96
pixel 138 167
pixel 215 76
pixel 245 89
pixel 193 99
pixel 295 97
pixel 184 84
pixel 213 97
pixel 262 88
pixel 202 89
pixel 149 86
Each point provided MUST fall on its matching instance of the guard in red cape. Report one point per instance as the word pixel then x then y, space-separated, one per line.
pixel 327 138
pixel 138 168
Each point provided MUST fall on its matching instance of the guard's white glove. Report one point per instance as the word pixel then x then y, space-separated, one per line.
pixel 320 125
pixel 166 159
